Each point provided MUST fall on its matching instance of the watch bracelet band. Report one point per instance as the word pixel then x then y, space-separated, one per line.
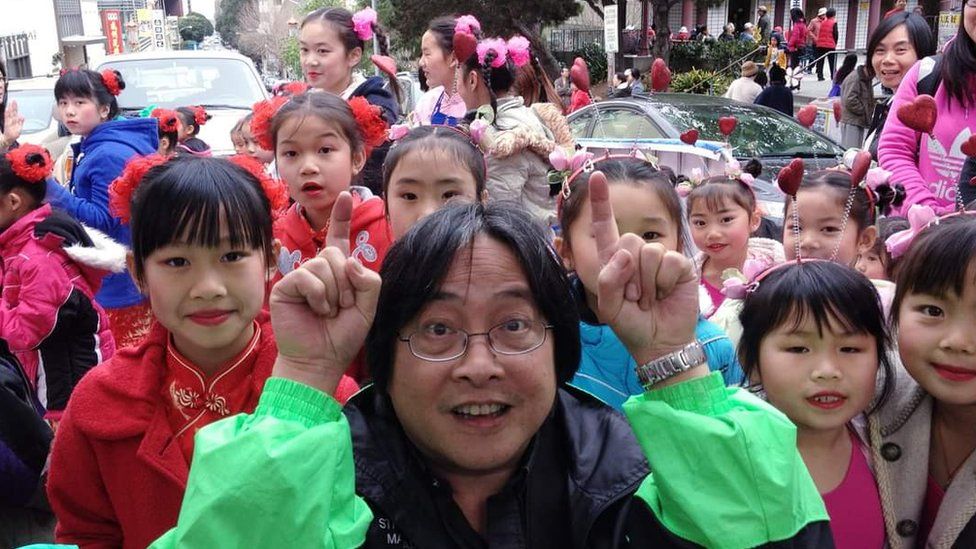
pixel 670 365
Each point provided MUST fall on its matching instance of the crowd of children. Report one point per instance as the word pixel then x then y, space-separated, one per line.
pixel 164 293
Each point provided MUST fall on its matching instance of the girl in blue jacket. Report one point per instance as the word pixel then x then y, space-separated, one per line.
pixel 644 203
pixel 88 107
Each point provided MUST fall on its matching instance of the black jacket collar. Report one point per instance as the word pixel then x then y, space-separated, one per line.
pixel 603 465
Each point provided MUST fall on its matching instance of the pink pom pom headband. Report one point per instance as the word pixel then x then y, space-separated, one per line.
pixel 362 23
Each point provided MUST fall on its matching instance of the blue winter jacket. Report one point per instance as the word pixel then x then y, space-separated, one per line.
pixel 99 159
pixel 608 372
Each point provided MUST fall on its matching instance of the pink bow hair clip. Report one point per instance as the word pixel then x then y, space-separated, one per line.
pixel 737 285
pixel 919 217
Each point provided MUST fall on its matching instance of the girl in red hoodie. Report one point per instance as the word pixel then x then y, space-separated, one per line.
pixel 320 145
pixel 202 250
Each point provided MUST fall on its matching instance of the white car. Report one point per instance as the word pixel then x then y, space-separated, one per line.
pixel 224 82
pixel 35 102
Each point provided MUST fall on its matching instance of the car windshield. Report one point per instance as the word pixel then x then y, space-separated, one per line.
pixel 171 83
pixel 758 132
pixel 36 106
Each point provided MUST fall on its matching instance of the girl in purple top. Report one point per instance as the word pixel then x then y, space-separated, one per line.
pixel 814 339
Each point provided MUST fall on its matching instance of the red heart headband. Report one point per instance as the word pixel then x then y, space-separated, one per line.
pixel 31 163
pixel 169 121
pixel 123 188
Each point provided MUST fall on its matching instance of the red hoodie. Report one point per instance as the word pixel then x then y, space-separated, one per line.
pixel 369 236
pixel 119 463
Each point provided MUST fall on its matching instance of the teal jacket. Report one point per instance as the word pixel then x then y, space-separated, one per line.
pixel 608 372
pixel 284 476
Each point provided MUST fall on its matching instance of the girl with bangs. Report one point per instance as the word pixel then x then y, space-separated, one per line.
pixel 203 252
pixel 814 340
pixel 923 438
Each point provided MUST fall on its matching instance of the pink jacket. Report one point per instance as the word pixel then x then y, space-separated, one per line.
pixel 52 268
pixel 932 179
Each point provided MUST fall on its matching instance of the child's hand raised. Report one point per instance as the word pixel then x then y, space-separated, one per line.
pixel 322 311
pixel 646 293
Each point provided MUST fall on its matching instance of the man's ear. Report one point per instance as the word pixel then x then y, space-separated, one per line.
pixel 130 265
pixel 866 239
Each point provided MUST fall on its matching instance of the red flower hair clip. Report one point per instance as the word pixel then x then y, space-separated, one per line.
pixel 111 80
pixel 200 116
pixel 264 111
pixel 169 122
pixel 32 163
pixel 372 125
pixel 274 190
pixel 124 187
pixel 292 88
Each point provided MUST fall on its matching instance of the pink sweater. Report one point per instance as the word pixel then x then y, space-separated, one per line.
pixel 932 178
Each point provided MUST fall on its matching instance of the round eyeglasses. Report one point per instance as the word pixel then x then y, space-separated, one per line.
pixel 439 342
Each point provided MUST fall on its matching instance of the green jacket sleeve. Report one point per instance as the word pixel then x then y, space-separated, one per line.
pixel 725 468
pixel 280 477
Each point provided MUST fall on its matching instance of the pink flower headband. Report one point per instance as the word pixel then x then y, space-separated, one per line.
pixel 566 168
pixel 362 23
pixel 733 171
pixel 738 285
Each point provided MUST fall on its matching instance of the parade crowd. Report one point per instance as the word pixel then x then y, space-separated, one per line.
pixel 455 327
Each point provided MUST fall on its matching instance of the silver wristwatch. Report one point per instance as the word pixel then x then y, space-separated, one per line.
pixel 670 365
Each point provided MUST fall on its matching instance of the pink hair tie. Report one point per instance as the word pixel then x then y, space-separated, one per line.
pixel 519 50
pixel 738 284
pixel 398 131
pixel 467 24
pixel 919 217
pixel 493 51
pixel 362 22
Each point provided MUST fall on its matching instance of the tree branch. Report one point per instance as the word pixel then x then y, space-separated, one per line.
pixel 597 8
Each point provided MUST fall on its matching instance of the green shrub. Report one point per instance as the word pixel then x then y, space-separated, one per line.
pixel 700 81
pixel 709 56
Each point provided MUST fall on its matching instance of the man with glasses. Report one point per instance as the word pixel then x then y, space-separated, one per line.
pixel 469 436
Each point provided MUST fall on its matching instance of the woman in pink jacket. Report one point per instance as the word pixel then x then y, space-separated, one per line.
pixel 797 44
pixel 929 165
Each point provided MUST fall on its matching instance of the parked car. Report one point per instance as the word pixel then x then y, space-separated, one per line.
pixel 35 102
pixel 224 82
pixel 647 121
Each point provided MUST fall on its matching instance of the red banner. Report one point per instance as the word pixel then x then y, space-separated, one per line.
pixel 112 29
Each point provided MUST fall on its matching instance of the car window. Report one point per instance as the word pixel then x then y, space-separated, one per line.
pixel 578 124
pixel 619 123
pixel 174 83
pixel 36 106
pixel 759 132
